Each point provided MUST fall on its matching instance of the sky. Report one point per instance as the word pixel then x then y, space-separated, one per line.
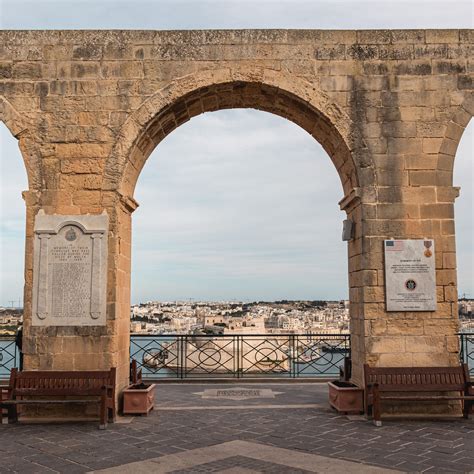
pixel 235 204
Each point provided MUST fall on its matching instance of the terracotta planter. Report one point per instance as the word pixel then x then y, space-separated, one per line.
pixel 138 399
pixel 346 397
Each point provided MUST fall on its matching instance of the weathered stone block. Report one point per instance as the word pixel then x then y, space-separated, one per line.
pixel 449 260
pixel 423 178
pixel 362 52
pixel 395 360
pixel 396 52
pixel 406 327
pixel 404 145
pixel 442 36
pixel 87 51
pixel 387 344
pixel 331 52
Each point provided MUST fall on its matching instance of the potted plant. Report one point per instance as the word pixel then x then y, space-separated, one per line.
pixel 346 397
pixel 138 399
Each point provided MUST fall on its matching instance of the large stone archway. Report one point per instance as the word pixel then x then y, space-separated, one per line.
pixel 389 107
pixel 297 100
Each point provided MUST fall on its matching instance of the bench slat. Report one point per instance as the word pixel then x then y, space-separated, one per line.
pixel 50 392
pixel 34 402
pixel 419 388
pixel 434 397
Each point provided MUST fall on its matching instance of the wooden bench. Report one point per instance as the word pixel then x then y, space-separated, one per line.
pixel 83 386
pixel 382 382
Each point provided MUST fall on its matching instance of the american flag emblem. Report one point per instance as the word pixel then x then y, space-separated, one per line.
pixel 394 245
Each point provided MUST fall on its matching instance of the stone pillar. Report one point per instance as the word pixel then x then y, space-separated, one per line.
pixel 418 338
pixel 119 270
pixel 92 347
pixel 364 260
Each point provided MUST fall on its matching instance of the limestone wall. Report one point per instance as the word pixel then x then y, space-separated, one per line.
pixel 389 107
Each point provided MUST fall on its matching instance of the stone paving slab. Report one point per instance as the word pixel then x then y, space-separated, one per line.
pixel 243 456
pixel 411 446
pixel 167 395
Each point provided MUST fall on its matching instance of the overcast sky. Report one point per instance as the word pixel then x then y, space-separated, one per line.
pixel 234 204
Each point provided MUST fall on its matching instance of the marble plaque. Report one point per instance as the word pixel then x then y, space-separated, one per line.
pixel 70 270
pixel 410 275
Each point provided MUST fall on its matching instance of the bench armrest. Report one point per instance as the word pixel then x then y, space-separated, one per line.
pixel 4 392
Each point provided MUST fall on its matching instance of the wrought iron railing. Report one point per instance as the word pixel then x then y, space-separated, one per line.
pixel 9 356
pixel 186 356
pixel 466 350
pixel 239 355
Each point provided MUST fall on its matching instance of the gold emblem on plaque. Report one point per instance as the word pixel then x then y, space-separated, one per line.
pixel 428 244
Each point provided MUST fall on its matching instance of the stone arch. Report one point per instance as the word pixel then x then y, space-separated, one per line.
pixel 271 91
pixel 21 130
pixel 454 131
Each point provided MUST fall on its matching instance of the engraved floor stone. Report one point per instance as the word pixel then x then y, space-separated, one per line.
pixel 238 407
pixel 188 395
pixel 238 393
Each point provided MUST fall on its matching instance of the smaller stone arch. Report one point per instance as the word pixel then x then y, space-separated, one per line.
pixel 21 130
pixel 454 131
pixel 272 91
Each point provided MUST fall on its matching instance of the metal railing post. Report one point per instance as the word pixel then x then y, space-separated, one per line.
pixel 237 355
pixel 293 345
pixel 184 364
pixel 240 361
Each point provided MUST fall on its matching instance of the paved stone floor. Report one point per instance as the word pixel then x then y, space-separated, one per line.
pixel 207 428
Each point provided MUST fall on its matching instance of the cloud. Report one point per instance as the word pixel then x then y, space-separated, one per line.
pixel 234 204
pixel 13 181
pixel 242 202
pixel 464 211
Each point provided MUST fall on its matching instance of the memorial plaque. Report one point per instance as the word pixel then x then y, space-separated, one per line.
pixel 70 270
pixel 410 276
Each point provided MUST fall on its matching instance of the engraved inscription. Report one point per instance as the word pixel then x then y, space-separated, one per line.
pixel 70 270
pixel 410 278
pixel 71 274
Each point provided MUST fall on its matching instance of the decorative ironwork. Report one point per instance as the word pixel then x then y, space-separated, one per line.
pixel 239 355
pixel 9 356
pixel 263 355
pixel 466 353
pixel 322 354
